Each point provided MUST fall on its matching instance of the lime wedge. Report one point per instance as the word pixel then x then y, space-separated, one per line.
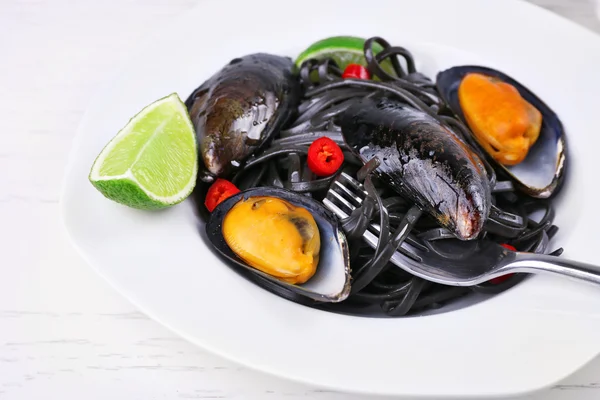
pixel 152 162
pixel 343 50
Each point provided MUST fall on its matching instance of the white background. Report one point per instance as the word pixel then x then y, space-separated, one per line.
pixel 64 334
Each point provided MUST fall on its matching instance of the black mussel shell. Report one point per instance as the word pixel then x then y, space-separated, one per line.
pixel 331 281
pixel 542 172
pixel 240 108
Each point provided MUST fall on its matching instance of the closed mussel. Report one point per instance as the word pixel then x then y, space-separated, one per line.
pixel 290 239
pixel 240 108
pixel 423 159
pixel 518 131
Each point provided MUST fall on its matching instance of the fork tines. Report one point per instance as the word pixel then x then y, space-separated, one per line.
pixel 345 195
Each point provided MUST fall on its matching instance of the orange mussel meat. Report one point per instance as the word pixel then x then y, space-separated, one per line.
pixel 275 237
pixel 505 124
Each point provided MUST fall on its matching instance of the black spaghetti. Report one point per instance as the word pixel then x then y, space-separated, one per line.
pixel 379 287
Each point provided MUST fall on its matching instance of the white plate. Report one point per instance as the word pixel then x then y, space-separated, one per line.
pixel 522 340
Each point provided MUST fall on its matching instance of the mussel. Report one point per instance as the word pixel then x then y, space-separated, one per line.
pixel 518 132
pixel 285 237
pixel 423 159
pixel 239 109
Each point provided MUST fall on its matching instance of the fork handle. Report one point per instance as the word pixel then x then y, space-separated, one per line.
pixel 540 263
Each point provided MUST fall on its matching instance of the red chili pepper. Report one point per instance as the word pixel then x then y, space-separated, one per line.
pixel 356 71
pixel 324 156
pixel 220 190
pixel 509 247
pixel 500 279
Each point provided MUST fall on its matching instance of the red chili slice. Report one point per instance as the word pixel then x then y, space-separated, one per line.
pixel 324 156
pixel 356 71
pixel 500 279
pixel 220 190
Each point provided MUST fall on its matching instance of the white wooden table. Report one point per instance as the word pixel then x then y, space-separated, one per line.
pixel 64 333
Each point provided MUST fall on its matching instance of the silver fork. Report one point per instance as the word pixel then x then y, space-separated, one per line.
pixel 343 198
pixel 463 263
pixel 346 194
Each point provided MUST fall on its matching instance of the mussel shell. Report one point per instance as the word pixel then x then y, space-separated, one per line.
pixel 542 172
pixel 240 108
pixel 422 159
pixel 331 281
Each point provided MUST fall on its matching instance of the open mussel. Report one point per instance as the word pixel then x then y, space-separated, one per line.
pixel 423 159
pixel 239 109
pixel 287 238
pixel 519 132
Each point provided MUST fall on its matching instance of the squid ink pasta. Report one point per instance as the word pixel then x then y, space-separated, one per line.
pixel 415 179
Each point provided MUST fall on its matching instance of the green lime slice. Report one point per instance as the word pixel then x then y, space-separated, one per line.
pixel 152 162
pixel 343 50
